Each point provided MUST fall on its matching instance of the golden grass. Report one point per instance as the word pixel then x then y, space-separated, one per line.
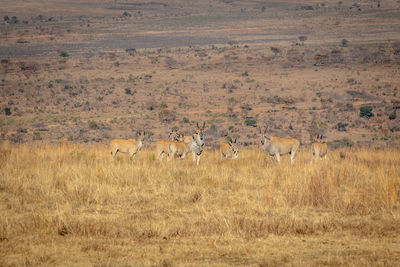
pixel 76 206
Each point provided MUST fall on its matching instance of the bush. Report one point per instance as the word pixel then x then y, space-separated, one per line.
pixel 392 115
pixel 251 122
pixel 7 111
pixel 341 127
pixel 344 42
pixel 126 14
pixel 366 111
pixel 185 120
pixel 167 115
pixel 93 125
pixel 64 54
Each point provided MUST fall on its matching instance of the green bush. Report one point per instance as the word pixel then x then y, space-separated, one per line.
pixel 392 116
pixel 366 111
pixel 93 125
pixel 251 122
pixel 7 111
pixel 64 54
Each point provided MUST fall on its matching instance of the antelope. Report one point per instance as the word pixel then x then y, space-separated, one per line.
pixel 131 146
pixel 228 150
pixel 162 145
pixel 277 146
pixel 195 142
pixel 319 149
pixel 177 149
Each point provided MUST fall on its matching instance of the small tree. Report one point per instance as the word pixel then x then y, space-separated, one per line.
pixel 344 42
pixel 93 125
pixel 251 122
pixel 366 111
pixel 275 50
pixel 7 111
pixel 64 54
pixel 302 39
pixel 392 115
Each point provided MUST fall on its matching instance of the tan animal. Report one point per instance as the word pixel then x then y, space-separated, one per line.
pixel 196 142
pixel 277 146
pixel 319 149
pixel 177 149
pixel 162 145
pixel 130 146
pixel 228 150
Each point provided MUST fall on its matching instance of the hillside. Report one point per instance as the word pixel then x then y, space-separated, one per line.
pixel 92 71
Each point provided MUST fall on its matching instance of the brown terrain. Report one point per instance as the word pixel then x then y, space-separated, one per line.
pixel 87 71
pixel 80 73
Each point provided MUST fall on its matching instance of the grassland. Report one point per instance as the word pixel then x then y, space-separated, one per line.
pixel 90 71
pixel 77 206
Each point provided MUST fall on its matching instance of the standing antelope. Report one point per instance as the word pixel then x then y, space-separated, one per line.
pixel 131 146
pixel 228 150
pixel 319 149
pixel 177 149
pixel 162 145
pixel 277 146
pixel 195 142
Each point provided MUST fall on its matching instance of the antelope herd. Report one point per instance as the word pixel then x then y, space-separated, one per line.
pixel 179 145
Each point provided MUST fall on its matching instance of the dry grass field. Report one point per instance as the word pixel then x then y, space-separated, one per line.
pixel 90 71
pixel 77 206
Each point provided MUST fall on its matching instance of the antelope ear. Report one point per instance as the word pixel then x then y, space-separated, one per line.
pixel 197 124
pixel 204 125
pixel 235 140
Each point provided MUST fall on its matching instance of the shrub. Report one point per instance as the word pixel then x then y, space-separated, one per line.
pixel 93 125
pixel 344 42
pixel 126 14
pixel 341 127
pixel 7 111
pixel 185 120
pixel 275 50
pixel 64 54
pixel 251 122
pixel 366 111
pixel 166 115
pixel 392 115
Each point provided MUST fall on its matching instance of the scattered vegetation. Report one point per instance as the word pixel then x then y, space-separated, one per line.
pixel 366 111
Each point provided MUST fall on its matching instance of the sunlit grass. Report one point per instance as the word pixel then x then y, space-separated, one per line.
pixel 77 198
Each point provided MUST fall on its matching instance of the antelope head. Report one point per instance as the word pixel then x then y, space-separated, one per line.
pixel 198 136
pixel 233 149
